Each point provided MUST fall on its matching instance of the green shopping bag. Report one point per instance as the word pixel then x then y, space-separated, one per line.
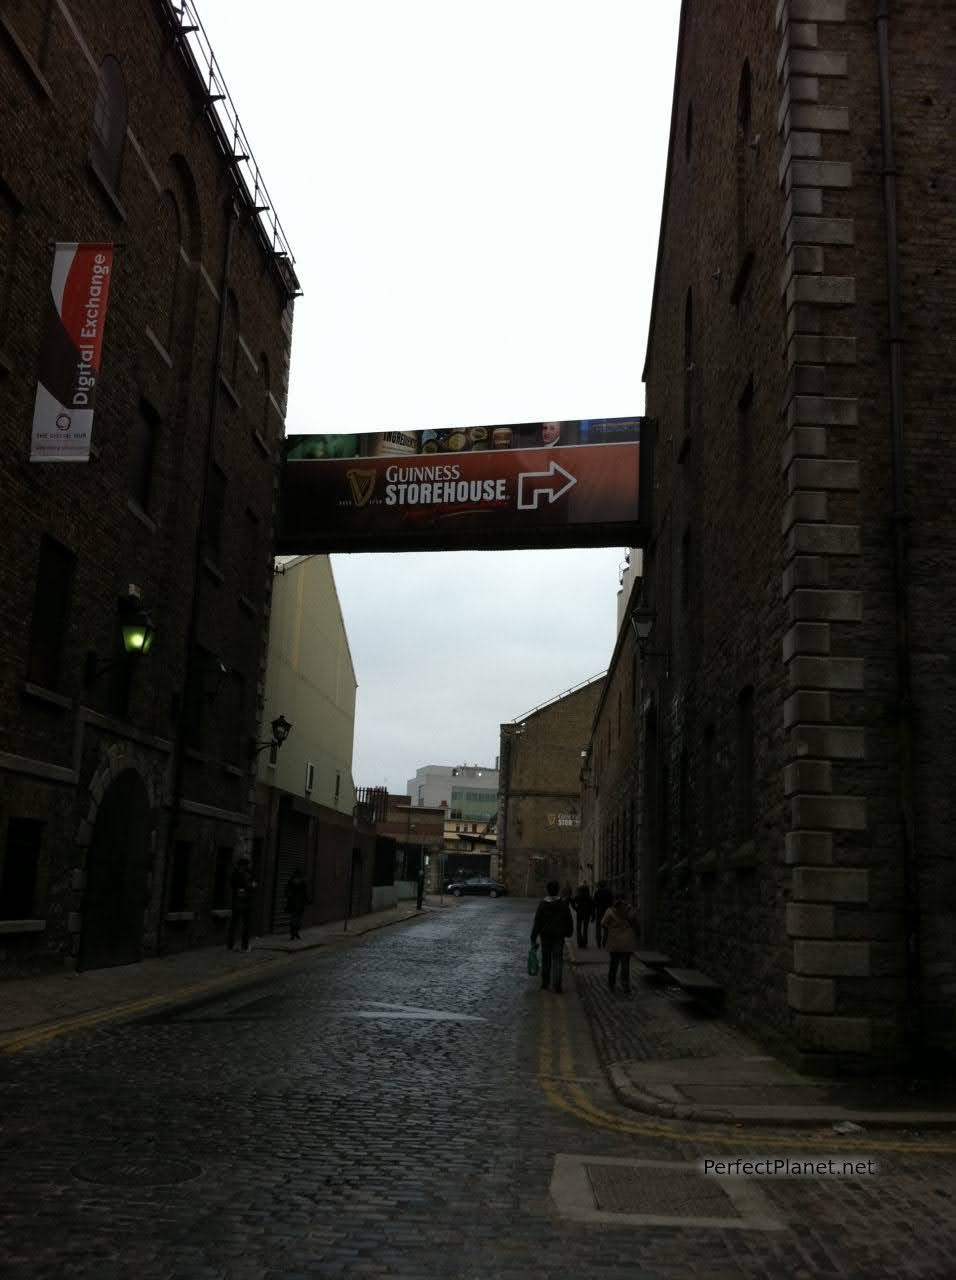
pixel 532 960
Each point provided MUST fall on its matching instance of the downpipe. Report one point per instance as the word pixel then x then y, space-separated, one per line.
pixel 232 217
pixel 915 1025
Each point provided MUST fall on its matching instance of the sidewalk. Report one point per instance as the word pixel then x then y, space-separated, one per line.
pixel 34 1010
pixel 666 1058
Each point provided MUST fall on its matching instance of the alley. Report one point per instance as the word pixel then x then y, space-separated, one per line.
pixel 413 1105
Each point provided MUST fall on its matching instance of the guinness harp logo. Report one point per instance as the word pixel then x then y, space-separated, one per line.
pixel 362 484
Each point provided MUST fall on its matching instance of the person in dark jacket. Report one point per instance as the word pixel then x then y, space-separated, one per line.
pixel 243 893
pixel 603 898
pixel 584 910
pixel 296 901
pixel 552 924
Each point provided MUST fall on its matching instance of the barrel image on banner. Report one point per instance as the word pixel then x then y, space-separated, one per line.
pixel 70 354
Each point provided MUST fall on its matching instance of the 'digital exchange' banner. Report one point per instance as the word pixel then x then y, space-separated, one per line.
pixel 464 489
pixel 70 355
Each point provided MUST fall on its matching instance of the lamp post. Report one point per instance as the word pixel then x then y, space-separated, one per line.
pixel 281 728
pixel 137 631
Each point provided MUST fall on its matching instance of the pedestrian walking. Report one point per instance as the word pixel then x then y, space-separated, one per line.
pixel 421 888
pixel 603 899
pixel 243 888
pixel 552 924
pixel 296 900
pixel 621 924
pixel 583 910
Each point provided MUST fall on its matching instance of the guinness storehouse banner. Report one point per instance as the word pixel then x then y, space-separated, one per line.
pixel 70 355
pixel 557 484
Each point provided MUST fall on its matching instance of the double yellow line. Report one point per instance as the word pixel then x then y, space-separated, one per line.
pixel 559 1083
pixel 132 1009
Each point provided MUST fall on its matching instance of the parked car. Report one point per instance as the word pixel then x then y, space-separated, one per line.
pixel 477 884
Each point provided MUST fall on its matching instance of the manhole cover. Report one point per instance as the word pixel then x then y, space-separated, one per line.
pixel 136 1173
pixel 678 1193
pixel 662 1193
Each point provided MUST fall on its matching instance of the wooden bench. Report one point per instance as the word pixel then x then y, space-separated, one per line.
pixel 653 959
pixel 697 985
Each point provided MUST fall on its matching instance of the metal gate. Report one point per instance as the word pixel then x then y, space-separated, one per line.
pixel 292 849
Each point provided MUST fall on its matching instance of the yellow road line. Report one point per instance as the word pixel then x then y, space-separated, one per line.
pixel 573 1101
pixel 50 1031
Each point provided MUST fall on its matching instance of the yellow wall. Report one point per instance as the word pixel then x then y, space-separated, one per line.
pixel 310 680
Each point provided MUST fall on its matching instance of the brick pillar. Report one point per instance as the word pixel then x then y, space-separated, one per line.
pixel 827 986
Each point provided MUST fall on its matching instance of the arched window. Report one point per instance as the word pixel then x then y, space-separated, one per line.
pixel 264 425
pixel 230 339
pixel 688 362
pixel 109 122
pixel 744 151
pixel 169 266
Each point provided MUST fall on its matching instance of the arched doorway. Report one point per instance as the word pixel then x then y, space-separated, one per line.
pixel 117 865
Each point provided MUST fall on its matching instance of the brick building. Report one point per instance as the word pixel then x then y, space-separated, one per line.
pixel 125 790
pixel 794 806
pixel 539 792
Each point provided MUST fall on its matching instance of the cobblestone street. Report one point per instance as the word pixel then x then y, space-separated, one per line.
pixel 413 1105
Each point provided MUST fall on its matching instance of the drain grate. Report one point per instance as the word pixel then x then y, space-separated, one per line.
pixel 664 1193
pixel 675 1192
pixel 136 1173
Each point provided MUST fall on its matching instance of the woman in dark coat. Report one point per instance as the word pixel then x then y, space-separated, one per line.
pixel 584 909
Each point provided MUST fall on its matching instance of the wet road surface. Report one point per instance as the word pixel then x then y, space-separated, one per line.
pixel 414 1106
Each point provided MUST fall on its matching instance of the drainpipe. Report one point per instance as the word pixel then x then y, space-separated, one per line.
pixel 900 521
pixel 192 628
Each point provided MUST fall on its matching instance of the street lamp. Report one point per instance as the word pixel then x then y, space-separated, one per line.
pixel 642 620
pixel 281 728
pixel 137 632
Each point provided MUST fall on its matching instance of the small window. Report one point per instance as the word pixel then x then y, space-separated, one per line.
pixel 109 122
pixel 745 765
pixel 338 785
pixel 309 776
pixel 233 698
pixel 51 607
pixel 142 453
pixel 194 698
pixel 252 562
pixel 689 366
pixel 213 510
pixel 230 339
pixel 179 880
pixel 708 790
pixel 9 236
pixel 744 428
pixel 18 870
pixel 220 884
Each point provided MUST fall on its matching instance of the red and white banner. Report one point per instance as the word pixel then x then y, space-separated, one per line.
pixel 70 356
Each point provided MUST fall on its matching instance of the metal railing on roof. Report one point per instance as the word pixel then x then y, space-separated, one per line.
pixel 519 720
pixel 190 36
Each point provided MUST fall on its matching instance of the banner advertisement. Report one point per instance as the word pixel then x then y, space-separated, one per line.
pixel 526 485
pixel 70 355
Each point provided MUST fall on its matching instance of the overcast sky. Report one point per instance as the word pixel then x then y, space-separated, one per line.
pixel 472 193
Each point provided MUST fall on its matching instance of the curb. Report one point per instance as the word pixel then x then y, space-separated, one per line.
pixel 191 995
pixel 637 1100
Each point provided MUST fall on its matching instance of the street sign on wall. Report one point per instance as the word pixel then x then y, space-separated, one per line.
pixel 529 485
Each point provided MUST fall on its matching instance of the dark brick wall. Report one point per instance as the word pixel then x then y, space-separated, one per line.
pixel 773 564
pixel 168 215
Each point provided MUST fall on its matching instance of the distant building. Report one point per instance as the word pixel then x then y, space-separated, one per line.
pixel 305 793
pixel 469 792
pixel 125 784
pixel 539 813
